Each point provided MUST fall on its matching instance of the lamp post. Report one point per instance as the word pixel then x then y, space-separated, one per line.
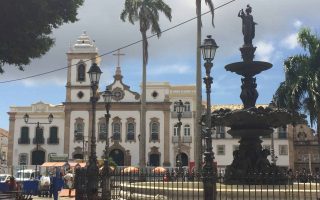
pixel 179 108
pixel 92 169
pixel 208 49
pixel 26 120
pixel 273 158
pixel 106 192
pixel 85 149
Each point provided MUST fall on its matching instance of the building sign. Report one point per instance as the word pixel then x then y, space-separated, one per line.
pixel 58 158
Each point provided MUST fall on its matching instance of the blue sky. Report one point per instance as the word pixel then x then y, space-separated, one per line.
pixel 172 56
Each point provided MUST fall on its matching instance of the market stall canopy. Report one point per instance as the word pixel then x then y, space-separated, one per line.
pixel 131 170
pixel 74 164
pixel 54 164
pixel 159 170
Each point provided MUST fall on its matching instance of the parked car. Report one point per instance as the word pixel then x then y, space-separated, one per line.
pixel 5 178
pixel 26 175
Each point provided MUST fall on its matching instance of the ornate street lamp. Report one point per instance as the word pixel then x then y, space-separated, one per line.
pixel 26 120
pixel 179 109
pixel 208 50
pixel 106 192
pixel 92 169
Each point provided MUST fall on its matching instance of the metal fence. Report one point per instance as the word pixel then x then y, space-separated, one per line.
pixel 148 184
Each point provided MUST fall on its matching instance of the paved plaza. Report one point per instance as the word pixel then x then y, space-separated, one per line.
pixel 63 195
pixel 47 198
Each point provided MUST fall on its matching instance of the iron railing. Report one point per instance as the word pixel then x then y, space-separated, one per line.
pixel 186 185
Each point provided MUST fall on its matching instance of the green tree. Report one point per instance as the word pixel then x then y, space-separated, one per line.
pixel 146 12
pixel 198 143
pixel 301 89
pixel 26 27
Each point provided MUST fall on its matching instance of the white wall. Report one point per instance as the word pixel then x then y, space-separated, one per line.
pixel 28 148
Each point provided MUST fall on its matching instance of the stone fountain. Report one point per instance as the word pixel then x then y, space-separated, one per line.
pixel 250 123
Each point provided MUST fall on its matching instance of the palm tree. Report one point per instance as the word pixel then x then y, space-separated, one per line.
pixel 301 89
pixel 198 143
pixel 147 13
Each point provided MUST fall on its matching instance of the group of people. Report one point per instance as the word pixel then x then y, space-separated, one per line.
pixel 55 181
pixel 58 181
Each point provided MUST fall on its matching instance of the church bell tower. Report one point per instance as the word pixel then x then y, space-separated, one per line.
pixel 80 56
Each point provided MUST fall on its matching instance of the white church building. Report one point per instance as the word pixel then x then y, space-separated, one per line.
pixel 69 133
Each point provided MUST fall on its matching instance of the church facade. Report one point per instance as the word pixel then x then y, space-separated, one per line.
pixel 70 131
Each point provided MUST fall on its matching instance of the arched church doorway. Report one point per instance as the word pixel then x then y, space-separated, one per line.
pixel 117 156
pixel 184 159
pixel 78 156
pixel 38 157
pixel 154 160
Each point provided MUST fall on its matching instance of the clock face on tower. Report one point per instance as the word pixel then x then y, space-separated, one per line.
pixel 118 94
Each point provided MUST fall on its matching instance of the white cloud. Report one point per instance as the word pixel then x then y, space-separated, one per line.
pixel 29 83
pixel 170 69
pixel 264 50
pixel 297 24
pixel 290 42
pixel 51 81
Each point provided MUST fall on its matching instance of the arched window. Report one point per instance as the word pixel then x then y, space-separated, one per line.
pixel 130 131
pixel 154 157
pixel 187 106
pixel 78 129
pixel 53 135
pixel 175 130
pixel 102 129
pixel 81 72
pixel 116 129
pixel 187 130
pixel 154 130
pixel 24 136
pixel 23 159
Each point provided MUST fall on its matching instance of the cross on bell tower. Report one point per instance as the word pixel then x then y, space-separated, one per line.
pixel 118 69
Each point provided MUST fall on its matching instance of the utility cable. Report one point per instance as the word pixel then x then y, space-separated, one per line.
pixel 113 51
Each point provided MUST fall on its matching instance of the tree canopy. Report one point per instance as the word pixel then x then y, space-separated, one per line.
pixel 147 13
pixel 301 89
pixel 26 27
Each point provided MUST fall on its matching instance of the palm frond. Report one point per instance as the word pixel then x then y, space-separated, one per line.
pixel 308 40
pixel 211 6
pixel 147 13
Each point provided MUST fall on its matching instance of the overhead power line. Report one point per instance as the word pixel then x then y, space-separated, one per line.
pixel 113 51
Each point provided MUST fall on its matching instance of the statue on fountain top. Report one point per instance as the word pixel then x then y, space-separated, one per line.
pixel 248 25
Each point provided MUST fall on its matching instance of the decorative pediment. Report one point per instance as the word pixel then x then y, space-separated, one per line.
pixel 122 91
pixel 40 107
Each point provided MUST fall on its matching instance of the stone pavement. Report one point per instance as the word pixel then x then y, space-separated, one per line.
pixel 47 198
pixel 63 195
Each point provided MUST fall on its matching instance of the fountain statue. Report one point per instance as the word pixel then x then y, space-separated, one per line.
pixel 250 123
